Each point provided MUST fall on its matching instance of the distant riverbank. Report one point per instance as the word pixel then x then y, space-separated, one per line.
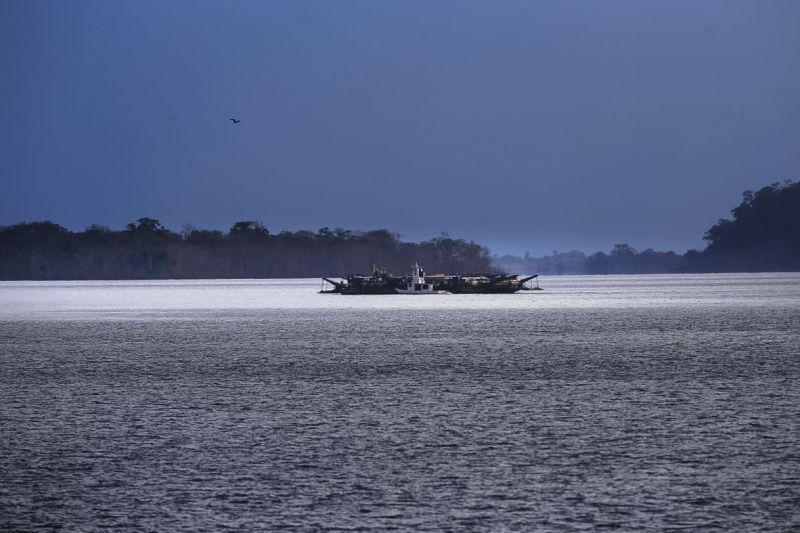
pixel 762 236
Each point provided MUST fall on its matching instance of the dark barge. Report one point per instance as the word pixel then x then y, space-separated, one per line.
pixel 383 282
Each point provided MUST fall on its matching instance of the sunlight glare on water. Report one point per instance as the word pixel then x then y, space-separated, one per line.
pixel 73 298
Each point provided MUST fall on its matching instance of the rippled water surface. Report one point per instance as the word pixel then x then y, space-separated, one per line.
pixel 623 402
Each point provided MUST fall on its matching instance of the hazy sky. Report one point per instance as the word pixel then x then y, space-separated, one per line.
pixel 526 126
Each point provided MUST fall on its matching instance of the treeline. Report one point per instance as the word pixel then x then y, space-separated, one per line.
pixel 623 259
pixel 763 235
pixel 148 250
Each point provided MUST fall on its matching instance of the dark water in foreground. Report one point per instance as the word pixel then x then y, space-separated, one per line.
pixel 669 402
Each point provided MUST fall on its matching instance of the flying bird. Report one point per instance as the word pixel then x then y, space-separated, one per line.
pixel 235 120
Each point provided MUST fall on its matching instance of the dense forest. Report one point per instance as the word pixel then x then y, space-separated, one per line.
pixel 147 250
pixel 763 235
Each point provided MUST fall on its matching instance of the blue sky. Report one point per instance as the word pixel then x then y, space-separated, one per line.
pixel 526 126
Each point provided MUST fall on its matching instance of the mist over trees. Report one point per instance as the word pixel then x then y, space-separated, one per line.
pixel 148 250
pixel 623 259
pixel 557 263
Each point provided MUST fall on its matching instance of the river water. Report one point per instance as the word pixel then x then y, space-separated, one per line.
pixel 626 402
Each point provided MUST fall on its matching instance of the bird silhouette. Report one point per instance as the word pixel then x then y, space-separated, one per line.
pixel 235 120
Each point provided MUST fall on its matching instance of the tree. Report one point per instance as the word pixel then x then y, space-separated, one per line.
pixel 147 225
pixel 249 229
pixel 764 233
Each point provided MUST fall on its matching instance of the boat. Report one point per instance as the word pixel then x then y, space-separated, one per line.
pixel 484 283
pixel 383 282
pixel 416 283
pixel 380 282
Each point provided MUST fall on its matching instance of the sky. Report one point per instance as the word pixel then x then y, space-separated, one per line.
pixel 526 126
